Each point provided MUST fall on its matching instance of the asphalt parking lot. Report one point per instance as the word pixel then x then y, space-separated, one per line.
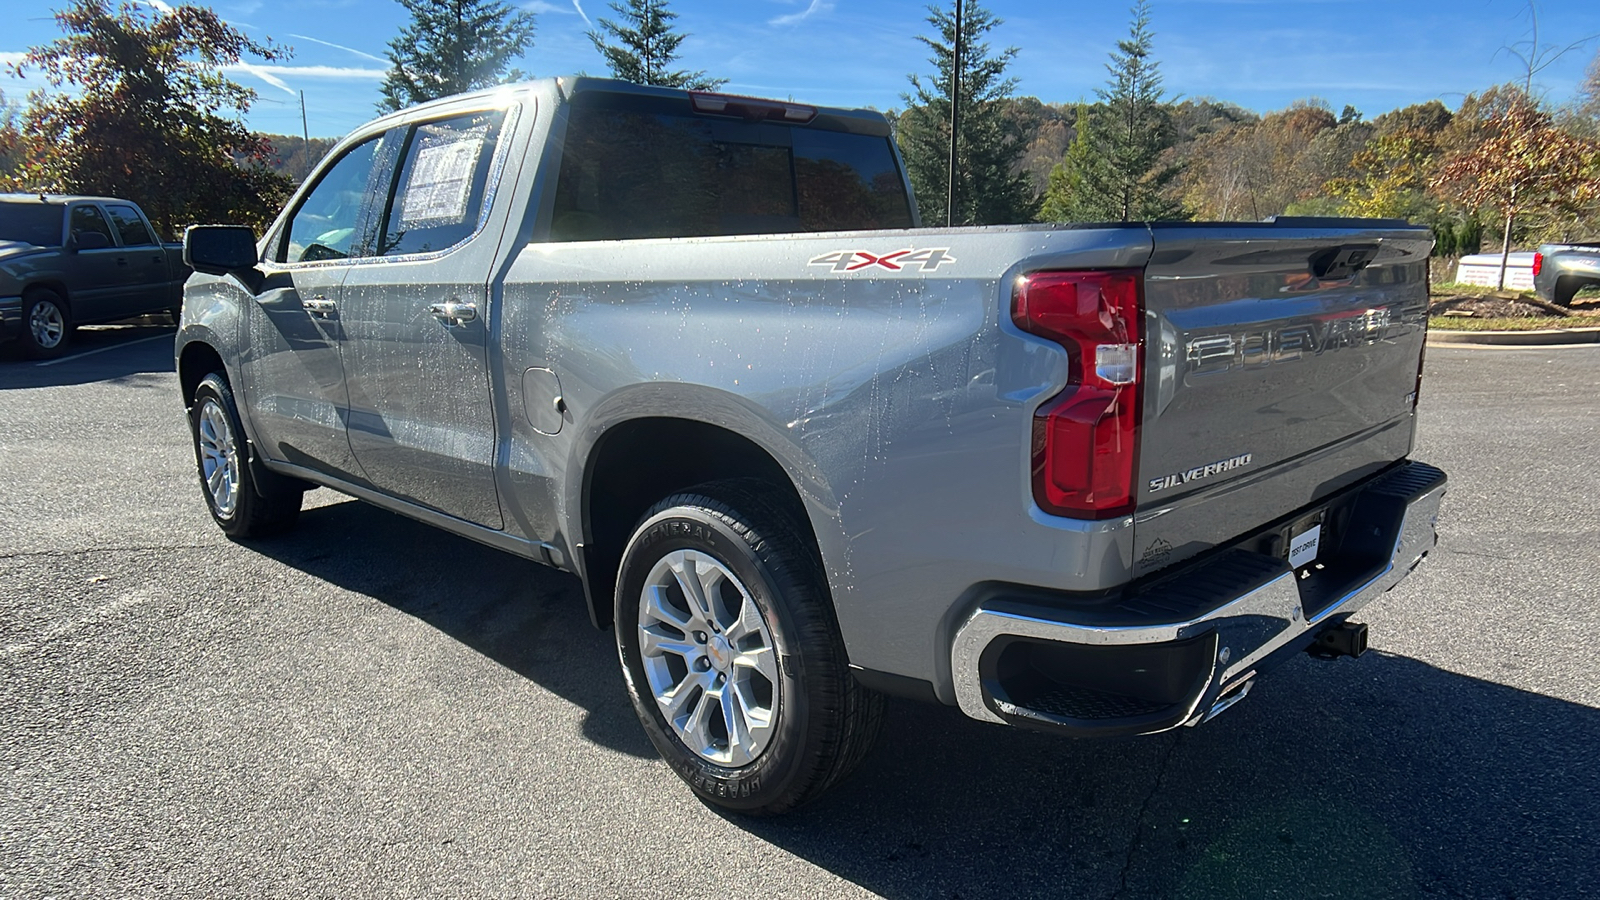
pixel 368 707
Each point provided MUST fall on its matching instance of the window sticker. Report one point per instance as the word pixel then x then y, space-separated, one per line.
pixel 440 184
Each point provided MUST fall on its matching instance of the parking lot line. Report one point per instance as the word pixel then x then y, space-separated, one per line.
pixel 56 362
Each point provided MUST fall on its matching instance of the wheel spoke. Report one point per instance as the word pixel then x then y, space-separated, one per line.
pixel 674 701
pixel 654 642
pixel 761 659
pixel 749 620
pixel 733 719
pixel 657 606
pixel 698 725
pixel 683 569
pixel 758 717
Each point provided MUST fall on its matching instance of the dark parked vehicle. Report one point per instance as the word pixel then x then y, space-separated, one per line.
pixel 1560 271
pixel 67 261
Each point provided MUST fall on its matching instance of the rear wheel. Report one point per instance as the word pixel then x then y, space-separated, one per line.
pixel 731 653
pixel 45 324
pixel 242 505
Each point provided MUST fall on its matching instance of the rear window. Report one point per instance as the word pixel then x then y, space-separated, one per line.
pixel 31 223
pixel 642 173
pixel 130 226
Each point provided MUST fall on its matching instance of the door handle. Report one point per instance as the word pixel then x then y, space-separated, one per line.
pixel 320 306
pixel 122 261
pixel 454 312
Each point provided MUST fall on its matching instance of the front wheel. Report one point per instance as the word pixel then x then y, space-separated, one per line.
pixel 45 324
pixel 731 653
pixel 241 506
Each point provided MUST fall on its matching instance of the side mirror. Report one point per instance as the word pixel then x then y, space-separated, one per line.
pixel 89 240
pixel 219 249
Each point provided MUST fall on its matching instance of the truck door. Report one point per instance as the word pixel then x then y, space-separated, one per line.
pixel 417 324
pixel 295 387
pixel 97 286
pixel 144 262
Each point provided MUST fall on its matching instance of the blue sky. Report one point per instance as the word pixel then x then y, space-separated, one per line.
pixel 1261 54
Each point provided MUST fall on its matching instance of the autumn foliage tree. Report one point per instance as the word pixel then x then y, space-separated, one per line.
pixel 144 112
pixel 11 146
pixel 1390 177
pixel 1525 166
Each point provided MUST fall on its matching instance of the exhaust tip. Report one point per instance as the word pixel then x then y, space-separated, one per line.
pixel 1344 639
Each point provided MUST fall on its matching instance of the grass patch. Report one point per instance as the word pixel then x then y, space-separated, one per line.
pixel 1457 289
pixel 1462 323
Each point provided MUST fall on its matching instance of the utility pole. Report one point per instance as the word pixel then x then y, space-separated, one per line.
pixel 955 119
pixel 305 135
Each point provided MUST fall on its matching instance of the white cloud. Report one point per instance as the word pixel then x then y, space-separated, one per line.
pixel 158 5
pixel 262 73
pixel 275 75
pixel 579 7
pixel 361 53
pixel 817 6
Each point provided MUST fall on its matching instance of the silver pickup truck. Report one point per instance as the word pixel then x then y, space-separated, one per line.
pixel 802 453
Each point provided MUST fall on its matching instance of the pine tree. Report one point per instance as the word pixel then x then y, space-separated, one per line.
pixel 453 46
pixel 1131 129
pixel 990 188
pixel 646 47
pixel 1080 184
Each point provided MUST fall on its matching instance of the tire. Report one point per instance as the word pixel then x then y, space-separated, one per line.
pixel 797 722
pixel 46 324
pixel 242 506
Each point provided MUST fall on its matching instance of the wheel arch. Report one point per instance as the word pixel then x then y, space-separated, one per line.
pixel 198 358
pixel 632 463
pixel 55 286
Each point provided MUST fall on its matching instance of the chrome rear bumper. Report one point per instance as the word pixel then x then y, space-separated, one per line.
pixel 1216 646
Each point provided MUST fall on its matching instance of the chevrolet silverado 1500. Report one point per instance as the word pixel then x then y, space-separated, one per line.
pixel 695 349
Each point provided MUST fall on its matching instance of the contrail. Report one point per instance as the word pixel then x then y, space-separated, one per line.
pixel 579 7
pixel 361 53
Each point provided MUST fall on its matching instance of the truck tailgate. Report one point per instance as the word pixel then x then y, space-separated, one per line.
pixel 1281 365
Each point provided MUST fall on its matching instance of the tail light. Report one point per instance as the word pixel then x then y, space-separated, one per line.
pixel 1085 439
pixel 1538 263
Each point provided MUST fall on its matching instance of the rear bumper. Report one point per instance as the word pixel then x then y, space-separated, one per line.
pixel 1188 644
pixel 10 317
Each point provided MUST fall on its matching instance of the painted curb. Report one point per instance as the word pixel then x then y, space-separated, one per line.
pixel 1544 337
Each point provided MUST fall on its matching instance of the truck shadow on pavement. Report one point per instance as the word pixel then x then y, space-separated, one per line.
pixel 527 617
pixel 1381 777
pixel 109 353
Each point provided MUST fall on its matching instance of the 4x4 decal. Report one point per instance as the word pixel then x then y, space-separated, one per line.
pixel 855 260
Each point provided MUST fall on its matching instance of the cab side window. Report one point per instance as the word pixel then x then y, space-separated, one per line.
pixel 440 193
pixel 130 226
pixel 328 222
pixel 88 220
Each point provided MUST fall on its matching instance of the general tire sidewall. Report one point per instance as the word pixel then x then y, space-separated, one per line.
pixel 757 784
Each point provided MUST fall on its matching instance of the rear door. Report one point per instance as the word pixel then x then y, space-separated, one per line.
pixel 149 281
pixel 1281 363
pixel 417 324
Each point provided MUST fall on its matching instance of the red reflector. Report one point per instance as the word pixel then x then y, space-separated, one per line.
pixel 750 107
pixel 1538 263
pixel 1085 439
